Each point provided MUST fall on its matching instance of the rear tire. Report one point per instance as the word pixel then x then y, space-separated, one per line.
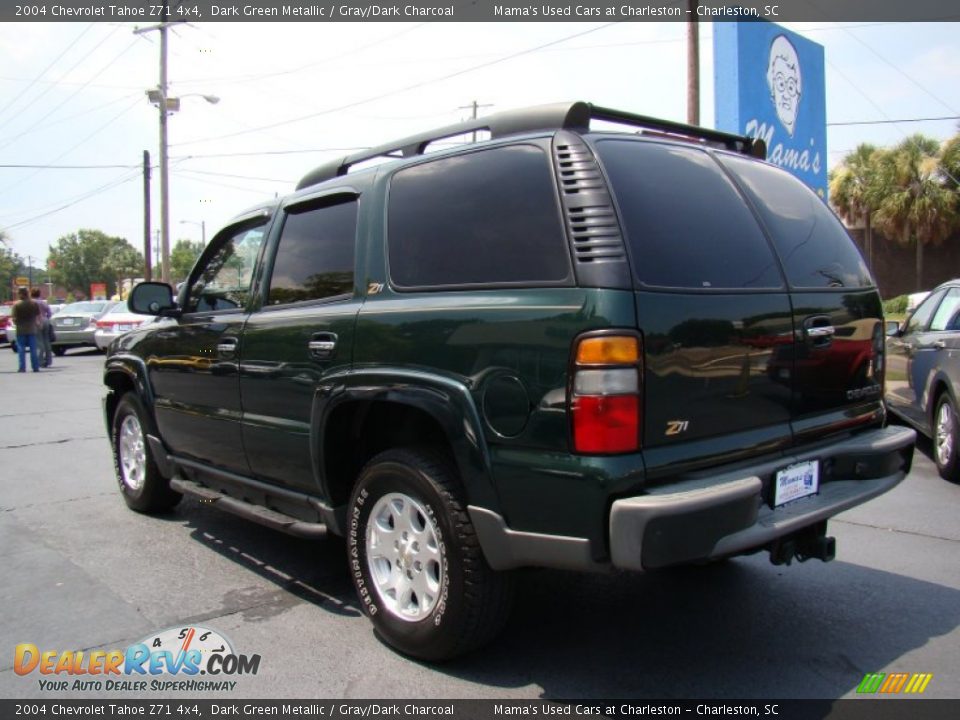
pixel 143 487
pixel 946 439
pixel 59 350
pixel 415 560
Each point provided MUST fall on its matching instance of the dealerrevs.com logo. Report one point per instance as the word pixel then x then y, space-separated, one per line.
pixel 183 652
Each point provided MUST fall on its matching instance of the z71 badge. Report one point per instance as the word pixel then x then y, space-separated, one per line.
pixel 675 427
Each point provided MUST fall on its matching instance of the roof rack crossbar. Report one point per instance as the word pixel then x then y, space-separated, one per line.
pixel 559 116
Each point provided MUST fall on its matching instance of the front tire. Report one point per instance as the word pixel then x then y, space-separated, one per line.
pixel 143 487
pixel 946 439
pixel 415 559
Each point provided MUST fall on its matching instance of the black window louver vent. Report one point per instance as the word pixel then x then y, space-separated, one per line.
pixel 589 211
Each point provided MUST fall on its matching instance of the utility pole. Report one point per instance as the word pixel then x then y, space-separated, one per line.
pixel 474 106
pixel 147 255
pixel 693 65
pixel 159 96
pixel 164 174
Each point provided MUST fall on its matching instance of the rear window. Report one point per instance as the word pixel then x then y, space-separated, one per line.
pixel 483 218
pixel 686 224
pixel 813 245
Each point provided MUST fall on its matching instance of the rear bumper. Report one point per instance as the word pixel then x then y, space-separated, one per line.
pixel 75 337
pixel 719 516
pixel 714 515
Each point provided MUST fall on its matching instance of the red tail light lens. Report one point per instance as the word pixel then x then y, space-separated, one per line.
pixel 605 397
pixel 606 424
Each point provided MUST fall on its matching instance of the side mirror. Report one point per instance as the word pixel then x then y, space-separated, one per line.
pixel 153 298
pixel 892 328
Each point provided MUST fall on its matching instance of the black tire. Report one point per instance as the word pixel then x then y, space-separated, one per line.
pixel 13 345
pixel 143 487
pixel 471 602
pixel 59 350
pixel 946 439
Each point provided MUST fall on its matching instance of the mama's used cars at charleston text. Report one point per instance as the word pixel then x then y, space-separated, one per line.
pixel 559 347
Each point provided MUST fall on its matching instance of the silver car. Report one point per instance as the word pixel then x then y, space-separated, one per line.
pixel 116 322
pixel 923 374
pixel 76 324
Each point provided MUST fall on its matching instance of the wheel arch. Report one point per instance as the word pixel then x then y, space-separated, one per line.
pixel 122 375
pixel 382 411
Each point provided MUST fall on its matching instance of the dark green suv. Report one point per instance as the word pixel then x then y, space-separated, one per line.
pixel 565 346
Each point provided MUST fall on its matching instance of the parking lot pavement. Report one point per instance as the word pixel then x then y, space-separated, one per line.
pixel 82 572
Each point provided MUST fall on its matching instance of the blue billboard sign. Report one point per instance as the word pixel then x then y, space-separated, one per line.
pixel 769 84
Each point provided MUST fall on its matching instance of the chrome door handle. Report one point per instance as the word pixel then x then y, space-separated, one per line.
pixel 227 347
pixel 322 346
pixel 820 333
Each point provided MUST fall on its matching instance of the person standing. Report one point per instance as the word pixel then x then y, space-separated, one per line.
pixel 25 315
pixel 44 339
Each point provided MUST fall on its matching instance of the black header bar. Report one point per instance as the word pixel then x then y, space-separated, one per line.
pixel 147 12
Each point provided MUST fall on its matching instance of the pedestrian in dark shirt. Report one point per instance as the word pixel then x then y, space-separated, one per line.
pixel 44 328
pixel 25 315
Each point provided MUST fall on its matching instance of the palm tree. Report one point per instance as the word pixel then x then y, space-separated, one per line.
pixel 916 205
pixel 853 193
pixel 950 162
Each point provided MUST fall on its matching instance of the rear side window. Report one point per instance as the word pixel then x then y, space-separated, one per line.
pixel 315 255
pixel 686 224
pixel 483 218
pixel 948 314
pixel 815 249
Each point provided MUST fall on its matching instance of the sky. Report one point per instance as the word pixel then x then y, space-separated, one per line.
pixel 293 95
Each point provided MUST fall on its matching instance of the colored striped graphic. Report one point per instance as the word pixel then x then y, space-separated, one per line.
pixel 894 683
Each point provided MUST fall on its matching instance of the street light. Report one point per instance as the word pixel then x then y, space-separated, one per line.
pixel 203 228
pixel 167 105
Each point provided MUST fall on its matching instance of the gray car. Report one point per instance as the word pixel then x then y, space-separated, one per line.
pixel 76 324
pixel 923 375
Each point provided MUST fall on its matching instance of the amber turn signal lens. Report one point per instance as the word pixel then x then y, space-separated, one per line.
pixel 610 350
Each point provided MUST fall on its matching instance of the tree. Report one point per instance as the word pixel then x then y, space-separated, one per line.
pixel 10 264
pixel 183 256
pixel 917 206
pixel 91 256
pixel 950 162
pixel 854 193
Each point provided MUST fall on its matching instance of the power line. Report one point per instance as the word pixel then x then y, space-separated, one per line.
pixel 122 180
pixel 899 70
pixel 76 145
pixel 44 72
pixel 70 167
pixel 893 122
pixel 71 95
pixel 292 71
pixel 399 91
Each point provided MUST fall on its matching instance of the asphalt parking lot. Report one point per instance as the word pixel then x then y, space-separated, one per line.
pixel 82 572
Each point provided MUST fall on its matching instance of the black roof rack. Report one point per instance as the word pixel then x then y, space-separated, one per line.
pixel 558 116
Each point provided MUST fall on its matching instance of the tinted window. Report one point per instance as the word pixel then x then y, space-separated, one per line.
pixel 315 256
pixel 226 277
pixel 686 224
pixel 813 245
pixel 946 317
pixel 480 218
pixel 921 316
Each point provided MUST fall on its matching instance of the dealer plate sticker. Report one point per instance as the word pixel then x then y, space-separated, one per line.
pixel 795 482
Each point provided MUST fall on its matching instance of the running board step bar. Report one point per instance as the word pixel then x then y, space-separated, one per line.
pixel 256 513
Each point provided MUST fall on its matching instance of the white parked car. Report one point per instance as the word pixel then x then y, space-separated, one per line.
pixel 118 321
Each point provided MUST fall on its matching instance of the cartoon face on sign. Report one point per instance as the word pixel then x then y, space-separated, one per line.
pixel 784 81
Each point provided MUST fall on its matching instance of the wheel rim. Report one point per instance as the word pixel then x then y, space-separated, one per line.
pixel 404 557
pixel 944 434
pixel 133 453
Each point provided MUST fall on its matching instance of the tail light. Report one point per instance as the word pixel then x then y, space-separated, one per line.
pixel 606 394
pixel 879 353
pixel 104 325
